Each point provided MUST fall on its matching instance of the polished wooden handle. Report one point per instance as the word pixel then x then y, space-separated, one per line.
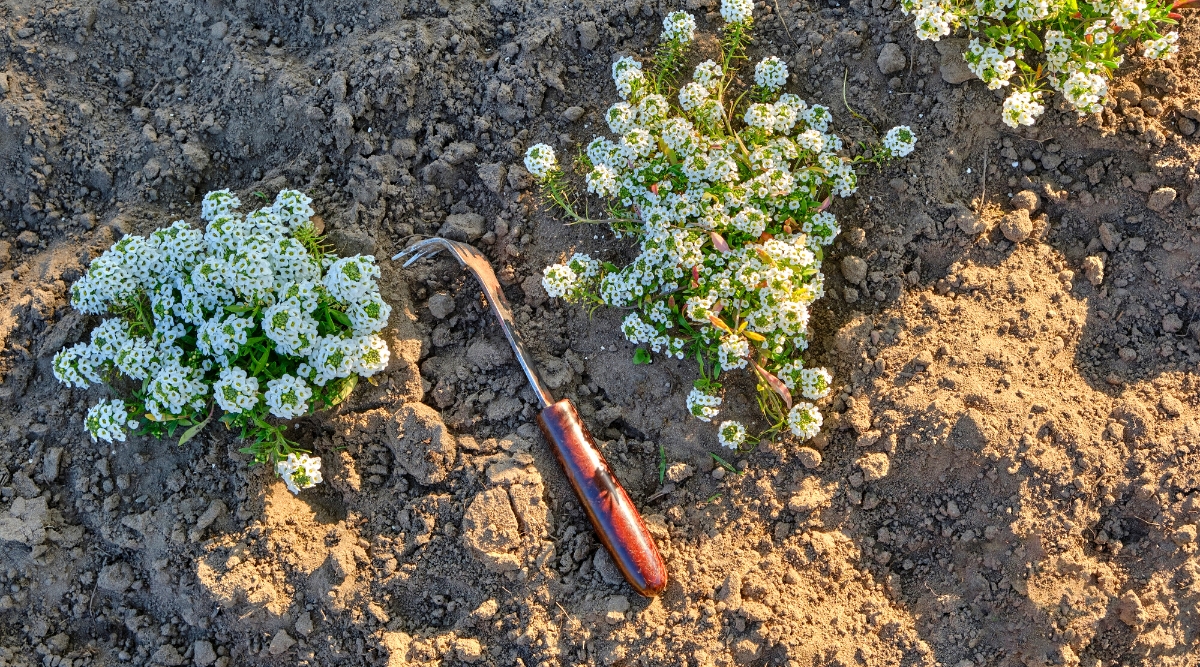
pixel 613 515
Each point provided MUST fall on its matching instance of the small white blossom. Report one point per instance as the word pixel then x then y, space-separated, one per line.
pixel 352 278
pixel 1163 47
pixel 731 434
pixel 299 472
pixel 680 26
pixel 288 397
pixel 218 204
pixel 78 365
pixel 371 355
pixel 702 405
pixel 1085 91
pixel 737 11
pixel 815 383
pixel 540 161
pixel 804 420
pixel 1022 108
pixel 235 391
pixel 107 421
pixel 707 74
pixel 771 73
pixel 559 280
pixel 900 141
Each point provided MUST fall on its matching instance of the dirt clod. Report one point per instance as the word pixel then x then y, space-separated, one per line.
pixel 421 443
pixel 1016 226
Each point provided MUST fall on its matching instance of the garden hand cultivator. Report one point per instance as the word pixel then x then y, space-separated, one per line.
pixel 612 513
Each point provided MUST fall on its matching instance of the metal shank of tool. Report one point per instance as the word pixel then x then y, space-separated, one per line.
pixel 612 513
pixel 474 261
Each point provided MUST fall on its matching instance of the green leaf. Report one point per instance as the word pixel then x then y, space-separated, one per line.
pixel 260 363
pixel 238 309
pixel 1034 41
pixel 343 390
pixel 196 428
pixel 340 317
pixel 726 465
pixel 662 464
pixel 641 356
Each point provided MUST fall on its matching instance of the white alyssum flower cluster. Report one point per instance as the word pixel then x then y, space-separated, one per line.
pixel 679 26
pixel 731 228
pixel 299 471
pixel 250 314
pixel 1081 44
pixel 900 141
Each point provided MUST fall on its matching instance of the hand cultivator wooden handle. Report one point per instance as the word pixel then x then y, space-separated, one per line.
pixel 612 513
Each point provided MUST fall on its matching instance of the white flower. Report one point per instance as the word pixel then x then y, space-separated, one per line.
pixel 703 405
pixel 235 391
pixel 299 472
pixel 900 141
pixel 817 117
pixel 174 389
pixel 733 352
pixel 680 26
pixel 1034 10
pixel 369 314
pixel 293 207
pixel 1085 91
pixel 223 337
pixel 291 328
pixel 136 358
pixel 991 64
pixel 737 11
pixel 652 110
pixel 558 280
pixel 371 355
pixel 637 143
pixel 1129 13
pixel 540 161
pixel 218 204
pixel 707 74
pixel 628 77
pixel 1022 108
pixel 351 278
pixel 771 73
pixel 933 21
pixel 731 434
pixel 1163 47
pixel 815 383
pixel 332 357
pixel 750 221
pixel 804 420
pixel 78 365
pixel 109 338
pixel 692 96
pixel 107 421
pixel 602 180
pixel 621 118
pixel 288 396
pixel 761 116
pixel 1097 30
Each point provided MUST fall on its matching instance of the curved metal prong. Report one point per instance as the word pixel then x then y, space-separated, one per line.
pixel 479 266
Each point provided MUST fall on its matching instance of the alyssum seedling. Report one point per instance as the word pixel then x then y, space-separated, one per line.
pixel 726 190
pixel 1080 43
pixel 252 315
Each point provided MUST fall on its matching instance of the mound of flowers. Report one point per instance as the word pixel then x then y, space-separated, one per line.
pixel 1079 44
pixel 253 315
pixel 726 192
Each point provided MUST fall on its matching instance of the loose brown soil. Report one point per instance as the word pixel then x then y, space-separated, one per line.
pixel 1009 473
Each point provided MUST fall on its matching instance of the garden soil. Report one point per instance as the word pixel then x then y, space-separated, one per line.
pixel 1009 471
